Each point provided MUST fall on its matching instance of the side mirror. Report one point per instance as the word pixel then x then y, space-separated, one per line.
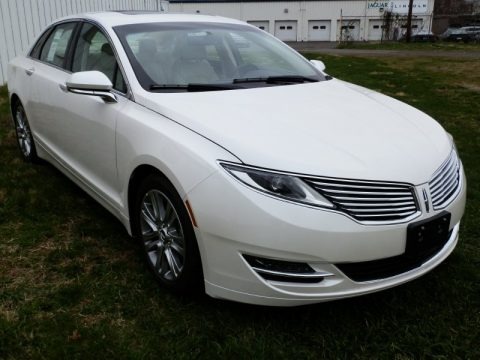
pixel 319 65
pixel 93 83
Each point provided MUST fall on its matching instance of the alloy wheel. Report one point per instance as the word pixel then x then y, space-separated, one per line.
pixel 162 235
pixel 24 135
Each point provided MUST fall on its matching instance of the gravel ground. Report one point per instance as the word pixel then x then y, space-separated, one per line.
pixel 330 49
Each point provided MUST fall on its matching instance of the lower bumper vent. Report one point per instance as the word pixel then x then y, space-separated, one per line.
pixel 388 267
pixel 284 271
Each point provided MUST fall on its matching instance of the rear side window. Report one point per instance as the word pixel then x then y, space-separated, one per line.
pixel 55 48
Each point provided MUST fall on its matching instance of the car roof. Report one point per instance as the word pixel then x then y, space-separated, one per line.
pixel 116 18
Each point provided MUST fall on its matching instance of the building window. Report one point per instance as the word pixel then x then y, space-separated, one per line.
pixel 261 27
pixel 376 26
pixel 315 28
pixel 323 27
pixel 289 28
pixel 282 27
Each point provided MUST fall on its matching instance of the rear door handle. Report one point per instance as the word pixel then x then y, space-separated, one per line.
pixel 30 71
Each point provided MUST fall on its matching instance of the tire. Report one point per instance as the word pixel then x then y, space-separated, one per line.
pixel 24 135
pixel 161 224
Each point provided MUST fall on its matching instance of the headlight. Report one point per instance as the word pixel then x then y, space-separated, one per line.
pixel 284 186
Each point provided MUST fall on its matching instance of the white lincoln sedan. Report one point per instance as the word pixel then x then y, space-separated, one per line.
pixel 243 169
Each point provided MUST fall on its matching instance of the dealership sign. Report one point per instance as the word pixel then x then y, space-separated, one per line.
pixel 399 6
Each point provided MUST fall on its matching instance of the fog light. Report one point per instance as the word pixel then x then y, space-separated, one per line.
pixel 284 271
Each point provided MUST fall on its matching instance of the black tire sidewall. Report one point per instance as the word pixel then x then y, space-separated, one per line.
pixel 190 280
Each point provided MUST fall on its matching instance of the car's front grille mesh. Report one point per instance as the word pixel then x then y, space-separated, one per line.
pixel 445 182
pixel 368 201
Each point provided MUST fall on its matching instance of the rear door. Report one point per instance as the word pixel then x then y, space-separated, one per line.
pixel 21 77
pixel 79 130
pixel 47 96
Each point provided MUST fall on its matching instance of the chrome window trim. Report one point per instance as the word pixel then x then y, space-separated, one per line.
pixel 49 28
pixel 128 94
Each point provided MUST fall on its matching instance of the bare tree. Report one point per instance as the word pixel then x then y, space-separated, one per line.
pixel 455 7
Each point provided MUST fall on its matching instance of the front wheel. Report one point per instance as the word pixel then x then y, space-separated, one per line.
pixel 163 227
pixel 24 134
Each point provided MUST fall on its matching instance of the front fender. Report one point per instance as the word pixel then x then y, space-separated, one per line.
pixel 144 137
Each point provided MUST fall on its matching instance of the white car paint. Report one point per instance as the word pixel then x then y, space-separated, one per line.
pixel 329 128
pixel 345 131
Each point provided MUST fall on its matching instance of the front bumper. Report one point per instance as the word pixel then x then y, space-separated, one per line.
pixel 234 220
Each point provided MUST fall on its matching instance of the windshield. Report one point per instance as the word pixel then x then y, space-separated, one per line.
pixel 190 56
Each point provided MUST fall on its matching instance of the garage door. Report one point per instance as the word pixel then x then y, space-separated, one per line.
pixel 260 24
pixel 375 28
pixel 348 30
pixel 286 30
pixel 319 30
pixel 417 26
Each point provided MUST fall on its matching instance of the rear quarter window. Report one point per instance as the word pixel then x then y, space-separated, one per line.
pixel 37 48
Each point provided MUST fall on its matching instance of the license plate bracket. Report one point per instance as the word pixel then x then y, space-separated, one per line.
pixel 428 236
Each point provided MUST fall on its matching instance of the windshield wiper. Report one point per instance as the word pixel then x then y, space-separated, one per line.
pixel 192 87
pixel 291 79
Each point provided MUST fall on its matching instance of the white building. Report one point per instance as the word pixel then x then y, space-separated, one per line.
pixel 315 20
pixel 307 20
pixel 21 21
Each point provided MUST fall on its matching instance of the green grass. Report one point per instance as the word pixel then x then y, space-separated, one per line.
pixel 72 283
pixel 401 45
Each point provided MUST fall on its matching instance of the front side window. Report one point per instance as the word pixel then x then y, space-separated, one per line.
pixel 55 48
pixel 173 55
pixel 94 52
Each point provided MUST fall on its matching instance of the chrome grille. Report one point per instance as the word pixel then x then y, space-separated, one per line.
pixel 369 201
pixel 445 183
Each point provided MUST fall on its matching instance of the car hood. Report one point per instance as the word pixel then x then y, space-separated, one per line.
pixel 330 128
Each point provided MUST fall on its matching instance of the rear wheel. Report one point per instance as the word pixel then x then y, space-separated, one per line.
pixel 163 227
pixel 24 134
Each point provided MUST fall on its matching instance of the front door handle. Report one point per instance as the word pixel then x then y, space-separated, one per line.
pixel 30 71
pixel 63 87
